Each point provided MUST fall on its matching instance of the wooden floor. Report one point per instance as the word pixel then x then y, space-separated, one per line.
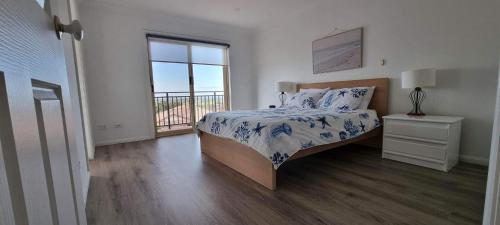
pixel 168 181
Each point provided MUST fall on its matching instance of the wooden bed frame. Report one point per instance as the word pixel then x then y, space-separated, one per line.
pixel 255 166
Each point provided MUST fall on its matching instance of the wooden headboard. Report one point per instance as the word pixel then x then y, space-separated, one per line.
pixel 379 100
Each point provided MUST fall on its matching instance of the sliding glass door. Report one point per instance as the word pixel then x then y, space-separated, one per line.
pixel 189 79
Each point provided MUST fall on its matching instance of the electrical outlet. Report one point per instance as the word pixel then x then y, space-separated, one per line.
pixel 101 127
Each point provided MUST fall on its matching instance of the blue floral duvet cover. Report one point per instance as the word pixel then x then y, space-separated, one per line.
pixel 277 134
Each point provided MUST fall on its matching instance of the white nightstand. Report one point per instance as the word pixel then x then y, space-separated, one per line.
pixel 430 141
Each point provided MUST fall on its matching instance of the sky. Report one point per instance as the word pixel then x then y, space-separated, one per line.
pixel 170 77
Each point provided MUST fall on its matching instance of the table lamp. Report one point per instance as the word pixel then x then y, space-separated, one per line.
pixel 417 79
pixel 283 87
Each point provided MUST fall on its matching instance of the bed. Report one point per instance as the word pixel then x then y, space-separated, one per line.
pixel 256 143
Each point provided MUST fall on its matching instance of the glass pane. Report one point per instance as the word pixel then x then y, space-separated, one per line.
pixel 208 55
pixel 173 77
pixel 164 51
pixel 208 89
pixel 171 84
pixel 208 78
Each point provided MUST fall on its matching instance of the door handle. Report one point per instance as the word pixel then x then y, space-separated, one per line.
pixel 74 28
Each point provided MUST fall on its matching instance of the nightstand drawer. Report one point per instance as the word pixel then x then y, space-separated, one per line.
pixel 415 148
pixel 424 130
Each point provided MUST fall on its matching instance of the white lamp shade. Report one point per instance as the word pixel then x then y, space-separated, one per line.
pixel 418 78
pixel 284 86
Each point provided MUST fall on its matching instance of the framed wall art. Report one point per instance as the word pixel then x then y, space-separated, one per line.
pixel 341 51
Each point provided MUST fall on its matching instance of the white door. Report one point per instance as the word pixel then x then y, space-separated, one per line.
pixel 38 175
pixel 491 207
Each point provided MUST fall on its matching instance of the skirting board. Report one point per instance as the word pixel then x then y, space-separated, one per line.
pixel 475 160
pixel 124 140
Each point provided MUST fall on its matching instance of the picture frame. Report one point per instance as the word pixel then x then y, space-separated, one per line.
pixel 342 51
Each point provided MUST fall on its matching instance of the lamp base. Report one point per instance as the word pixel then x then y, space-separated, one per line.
pixel 417 96
pixel 282 98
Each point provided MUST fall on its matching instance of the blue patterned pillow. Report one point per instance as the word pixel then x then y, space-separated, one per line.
pixel 344 99
pixel 305 100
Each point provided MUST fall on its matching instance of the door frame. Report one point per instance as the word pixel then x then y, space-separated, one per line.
pixel 151 83
pixel 491 201
pixel 188 43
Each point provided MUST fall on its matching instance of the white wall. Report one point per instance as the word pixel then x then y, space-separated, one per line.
pixel 461 38
pixel 117 66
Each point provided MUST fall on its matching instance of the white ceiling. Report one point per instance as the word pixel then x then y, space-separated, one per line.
pixel 244 13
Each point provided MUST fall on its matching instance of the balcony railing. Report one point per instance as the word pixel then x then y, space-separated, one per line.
pixel 173 110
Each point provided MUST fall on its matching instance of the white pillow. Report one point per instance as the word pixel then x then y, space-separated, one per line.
pixel 320 91
pixel 343 99
pixel 367 98
pixel 324 90
pixel 305 100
